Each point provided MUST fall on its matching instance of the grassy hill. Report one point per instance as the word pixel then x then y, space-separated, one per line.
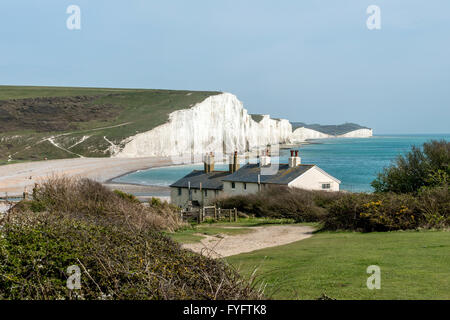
pixel 61 122
pixel 329 129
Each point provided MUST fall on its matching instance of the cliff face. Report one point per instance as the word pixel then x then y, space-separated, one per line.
pixel 361 133
pixel 303 134
pixel 219 124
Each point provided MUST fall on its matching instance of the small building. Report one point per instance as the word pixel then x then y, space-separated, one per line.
pixel 201 188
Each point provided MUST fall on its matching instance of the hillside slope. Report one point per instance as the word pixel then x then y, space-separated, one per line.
pixel 38 123
pixel 53 123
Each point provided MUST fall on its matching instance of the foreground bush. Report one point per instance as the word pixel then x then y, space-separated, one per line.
pixel 114 242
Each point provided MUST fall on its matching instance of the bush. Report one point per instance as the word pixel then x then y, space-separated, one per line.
pixel 116 244
pixel 349 211
pixel 429 166
pixel 282 202
pixel 127 196
pixel 434 205
pixel 379 212
pixel 390 211
pixel 344 213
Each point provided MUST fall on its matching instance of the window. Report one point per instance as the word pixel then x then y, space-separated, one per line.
pixel 245 186
pixel 233 185
pixel 326 186
pixel 195 190
pixel 179 191
pixel 206 193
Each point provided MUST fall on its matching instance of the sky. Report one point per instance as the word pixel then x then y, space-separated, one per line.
pixel 310 61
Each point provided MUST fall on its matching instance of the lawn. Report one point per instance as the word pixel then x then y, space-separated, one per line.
pixel 414 265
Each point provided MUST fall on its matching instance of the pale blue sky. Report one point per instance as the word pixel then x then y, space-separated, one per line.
pixel 311 61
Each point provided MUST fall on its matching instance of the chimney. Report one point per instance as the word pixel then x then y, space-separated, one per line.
pixel 265 159
pixel 294 160
pixel 234 163
pixel 209 162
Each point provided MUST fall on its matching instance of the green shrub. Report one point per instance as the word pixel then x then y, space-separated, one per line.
pixel 115 243
pixel 127 196
pixel 422 167
pixel 344 213
pixel 155 202
pixel 434 205
pixel 349 211
pixel 390 211
pixel 282 202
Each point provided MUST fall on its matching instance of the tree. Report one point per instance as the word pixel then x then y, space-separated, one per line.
pixel 421 167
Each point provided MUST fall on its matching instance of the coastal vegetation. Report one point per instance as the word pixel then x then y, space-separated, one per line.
pixel 117 245
pixel 423 167
pixel 413 193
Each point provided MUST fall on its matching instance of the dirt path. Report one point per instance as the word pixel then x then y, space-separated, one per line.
pixel 262 237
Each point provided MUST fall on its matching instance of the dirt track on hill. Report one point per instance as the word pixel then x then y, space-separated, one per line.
pixel 262 237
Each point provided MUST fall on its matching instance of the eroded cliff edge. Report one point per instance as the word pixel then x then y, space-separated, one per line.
pixel 218 124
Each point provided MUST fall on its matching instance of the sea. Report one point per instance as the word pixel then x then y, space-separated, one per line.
pixel 354 161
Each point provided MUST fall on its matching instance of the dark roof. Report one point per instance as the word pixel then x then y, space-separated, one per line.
pixel 249 173
pixel 212 180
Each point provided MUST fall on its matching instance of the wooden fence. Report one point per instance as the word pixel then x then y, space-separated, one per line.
pixel 216 214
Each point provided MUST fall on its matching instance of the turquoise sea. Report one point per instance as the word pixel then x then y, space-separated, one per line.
pixel 354 161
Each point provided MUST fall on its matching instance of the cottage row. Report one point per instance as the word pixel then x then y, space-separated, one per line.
pixel 202 187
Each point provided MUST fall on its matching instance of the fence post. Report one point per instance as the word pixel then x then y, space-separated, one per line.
pixel 230 215
pixel 215 213
pixel 235 215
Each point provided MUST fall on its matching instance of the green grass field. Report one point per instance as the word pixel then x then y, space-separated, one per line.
pixel 414 265
pixel 130 110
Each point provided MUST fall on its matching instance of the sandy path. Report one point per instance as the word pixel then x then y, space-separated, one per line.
pixel 262 237
pixel 15 177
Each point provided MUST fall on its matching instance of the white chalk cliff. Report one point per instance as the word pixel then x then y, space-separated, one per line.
pixel 303 134
pixel 218 124
pixel 361 133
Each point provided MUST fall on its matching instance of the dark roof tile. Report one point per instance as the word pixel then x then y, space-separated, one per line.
pixel 212 180
pixel 285 175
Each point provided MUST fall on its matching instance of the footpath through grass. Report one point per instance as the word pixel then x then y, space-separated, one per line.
pixel 414 265
pixel 196 232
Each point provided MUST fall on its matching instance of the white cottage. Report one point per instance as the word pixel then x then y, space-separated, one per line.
pixel 202 187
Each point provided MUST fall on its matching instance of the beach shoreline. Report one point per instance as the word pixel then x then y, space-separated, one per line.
pixel 20 177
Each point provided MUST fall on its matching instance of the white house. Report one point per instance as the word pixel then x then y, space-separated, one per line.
pixel 202 187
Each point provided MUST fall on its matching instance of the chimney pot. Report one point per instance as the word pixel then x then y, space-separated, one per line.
pixel 292 153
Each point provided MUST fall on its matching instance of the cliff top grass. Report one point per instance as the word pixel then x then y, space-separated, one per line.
pixel 31 115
